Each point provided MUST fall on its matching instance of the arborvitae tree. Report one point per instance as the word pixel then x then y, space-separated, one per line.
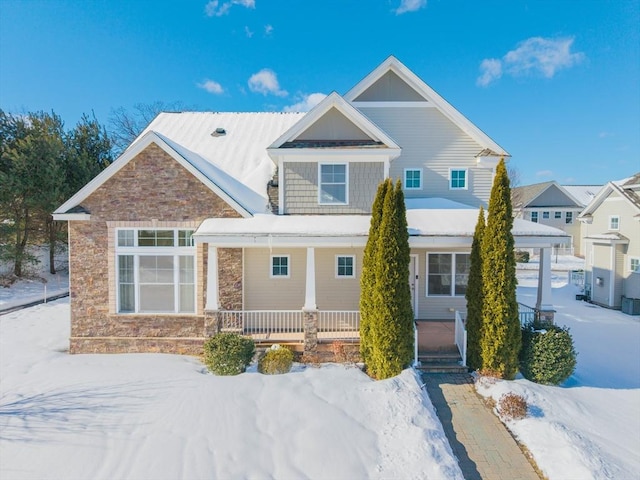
pixel 390 323
pixel 501 336
pixel 475 297
pixel 367 277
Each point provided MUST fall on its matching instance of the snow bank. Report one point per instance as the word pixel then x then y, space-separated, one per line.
pixel 164 417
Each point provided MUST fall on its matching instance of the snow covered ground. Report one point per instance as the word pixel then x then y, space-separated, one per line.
pixel 588 428
pixel 157 416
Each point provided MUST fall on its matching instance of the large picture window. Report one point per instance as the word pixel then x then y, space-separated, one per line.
pixel 447 274
pixel 156 271
pixel 332 188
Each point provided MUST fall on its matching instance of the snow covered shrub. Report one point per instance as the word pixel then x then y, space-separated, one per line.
pixel 512 406
pixel 548 355
pixel 228 353
pixel 276 360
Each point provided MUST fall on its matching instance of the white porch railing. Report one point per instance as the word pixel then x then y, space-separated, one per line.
pixel 264 325
pixel 526 313
pixel 460 335
pixel 338 325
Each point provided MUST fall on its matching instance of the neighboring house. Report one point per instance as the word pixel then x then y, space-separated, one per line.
pixel 555 205
pixel 177 239
pixel 611 230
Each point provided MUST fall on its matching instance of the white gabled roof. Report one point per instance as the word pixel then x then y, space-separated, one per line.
pixel 583 193
pixel 616 186
pixel 394 65
pixel 334 100
pixel 235 165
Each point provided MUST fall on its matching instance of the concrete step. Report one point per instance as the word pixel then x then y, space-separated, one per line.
pixel 439 357
pixel 442 368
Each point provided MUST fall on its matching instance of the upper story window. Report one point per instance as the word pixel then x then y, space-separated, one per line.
pixel 447 274
pixel 634 265
pixel 155 271
pixel 557 214
pixel 458 179
pixel 568 217
pixel 413 178
pixel 614 222
pixel 345 266
pixel 332 188
pixel 534 217
pixel 280 266
pixel 545 214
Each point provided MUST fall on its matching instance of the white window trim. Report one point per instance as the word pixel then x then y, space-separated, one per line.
pixel 353 260
pixel 617 217
pixel 557 215
pixel 453 274
pixel 566 217
pixel 288 275
pixel 537 220
pixel 631 259
pixel 176 252
pixel 466 178
pixel 346 184
pixel 419 187
pixel 547 213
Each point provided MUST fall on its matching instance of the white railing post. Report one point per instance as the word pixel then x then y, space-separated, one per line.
pixel 213 302
pixel 415 345
pixel 460 334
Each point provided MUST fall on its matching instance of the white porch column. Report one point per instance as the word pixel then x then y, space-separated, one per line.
pixel 544 301
pixel 310 288
pixel 213 302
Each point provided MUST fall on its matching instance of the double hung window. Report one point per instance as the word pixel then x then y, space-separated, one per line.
pixel 614 222
pixel 447 274
pixel 534 217
pixel 568 218
pixel 332 187
pixel 155 271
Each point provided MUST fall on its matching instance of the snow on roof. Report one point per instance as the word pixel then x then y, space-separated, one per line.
pixel 239 148
pixel 583 193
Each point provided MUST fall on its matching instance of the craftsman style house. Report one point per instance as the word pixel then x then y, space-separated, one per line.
pixel 256 222
pixel 611 230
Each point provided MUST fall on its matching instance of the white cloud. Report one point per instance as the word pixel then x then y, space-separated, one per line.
pixel 534 56
pixel 268 29
pixel 491 69
pixel 410 6
pixel 216 9
pixel 544 173
pixel 266 82
pixel 211 87
pixel 306 104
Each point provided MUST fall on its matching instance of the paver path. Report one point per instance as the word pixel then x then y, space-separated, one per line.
pixel 484 447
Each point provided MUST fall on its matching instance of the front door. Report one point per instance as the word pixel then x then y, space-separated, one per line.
pixel 413 284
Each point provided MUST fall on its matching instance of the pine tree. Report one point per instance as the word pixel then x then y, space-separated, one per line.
pixel 475 297
pixel 501 336
pixel 367 277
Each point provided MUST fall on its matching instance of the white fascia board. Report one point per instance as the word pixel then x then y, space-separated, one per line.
pixel 596 201
pixel 270 241
pixel 430 95
pixel 71 216
pixel 353 114
pixel 540 241
pixel 310 154
pixel 439 241
pixel 128 155
pixel 424 104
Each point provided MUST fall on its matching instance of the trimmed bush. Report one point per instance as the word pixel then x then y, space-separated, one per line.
pixel 512 406
pixel 276 360
pixel 548 355
pixel 522 256
pixel 228 353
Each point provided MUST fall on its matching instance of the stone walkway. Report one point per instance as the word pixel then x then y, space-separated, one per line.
pixel 484 447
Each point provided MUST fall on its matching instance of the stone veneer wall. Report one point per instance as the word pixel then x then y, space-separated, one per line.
pixel 152 190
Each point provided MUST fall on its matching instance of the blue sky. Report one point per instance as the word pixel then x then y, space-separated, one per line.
pixel 556 83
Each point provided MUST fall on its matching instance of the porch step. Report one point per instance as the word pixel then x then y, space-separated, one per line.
pixel 441 362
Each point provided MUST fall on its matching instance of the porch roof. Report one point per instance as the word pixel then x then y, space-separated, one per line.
pixel 450 224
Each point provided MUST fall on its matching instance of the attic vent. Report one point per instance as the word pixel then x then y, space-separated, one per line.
pixel 219 132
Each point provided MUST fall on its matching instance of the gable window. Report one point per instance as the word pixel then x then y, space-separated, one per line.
pixel 557 214
pixel 458 179
pixel 413 178
pixel 634 265
pixel 332 188
pixel 545 214
pixel 155 271
pixel 447 274
pixel 614 222
pixel 568 218
pixel 345 266
pixel 534 217
pixel 280 266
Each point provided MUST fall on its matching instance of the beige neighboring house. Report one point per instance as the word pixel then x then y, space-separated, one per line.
pixel 555 205
pixel 611 230
pixel 256 222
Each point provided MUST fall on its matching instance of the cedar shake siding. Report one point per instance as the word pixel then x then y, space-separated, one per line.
pixel 151 191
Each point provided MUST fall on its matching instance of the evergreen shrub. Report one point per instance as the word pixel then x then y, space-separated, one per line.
pixel 276 360
pixel 548 355
pixel 228 353
pixel 522 256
